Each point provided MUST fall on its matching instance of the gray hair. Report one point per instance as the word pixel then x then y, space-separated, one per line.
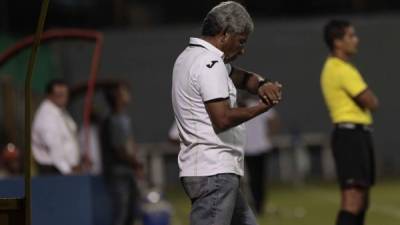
pixel 229 17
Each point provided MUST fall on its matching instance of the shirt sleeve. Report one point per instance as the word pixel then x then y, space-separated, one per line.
pixel 213 80
pixel 352 82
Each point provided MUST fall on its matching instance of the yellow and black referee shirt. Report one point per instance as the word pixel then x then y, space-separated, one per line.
pixel 340 83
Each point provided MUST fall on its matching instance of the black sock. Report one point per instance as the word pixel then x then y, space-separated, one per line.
pixel 346 218
pixel 361 218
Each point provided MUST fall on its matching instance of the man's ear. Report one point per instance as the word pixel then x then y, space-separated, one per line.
pixel 226 36
pixel 337 43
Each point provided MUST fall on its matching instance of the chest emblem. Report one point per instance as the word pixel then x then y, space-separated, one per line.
pixel 211 64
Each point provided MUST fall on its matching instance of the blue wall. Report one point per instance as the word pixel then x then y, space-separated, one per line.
pixel 64 200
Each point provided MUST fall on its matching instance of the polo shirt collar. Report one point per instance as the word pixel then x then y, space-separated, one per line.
pixel 207 45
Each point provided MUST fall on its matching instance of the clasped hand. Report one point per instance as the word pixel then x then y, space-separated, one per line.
pixel 270 93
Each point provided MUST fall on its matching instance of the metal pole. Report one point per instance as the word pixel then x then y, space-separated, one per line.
pixel 28 112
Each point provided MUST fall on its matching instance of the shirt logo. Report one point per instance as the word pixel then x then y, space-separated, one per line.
pixel 211 64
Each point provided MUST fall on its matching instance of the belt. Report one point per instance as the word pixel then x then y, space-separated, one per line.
pixel 353 126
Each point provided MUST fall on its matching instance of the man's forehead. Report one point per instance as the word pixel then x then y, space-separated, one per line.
pixel 241 35
pixel 244 35
pixel 350 29
pixel 60 87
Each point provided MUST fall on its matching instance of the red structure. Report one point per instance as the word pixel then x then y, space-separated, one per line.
pixel 56 34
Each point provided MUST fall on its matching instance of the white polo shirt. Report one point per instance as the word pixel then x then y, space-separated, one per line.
pixel 199 76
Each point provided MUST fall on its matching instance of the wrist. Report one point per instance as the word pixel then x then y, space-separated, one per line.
pixel 261 82
pixel 263 105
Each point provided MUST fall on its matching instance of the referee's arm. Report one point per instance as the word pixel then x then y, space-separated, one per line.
pixel 367 100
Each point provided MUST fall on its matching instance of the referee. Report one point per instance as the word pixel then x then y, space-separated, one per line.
pixel 350 102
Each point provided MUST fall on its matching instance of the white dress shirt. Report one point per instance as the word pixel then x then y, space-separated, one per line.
pixel 54 138
pixel 173 132
pixel 200 75
pixel 94 151
pixel 257 130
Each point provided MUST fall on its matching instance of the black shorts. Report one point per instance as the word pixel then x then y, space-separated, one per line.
pixel 353 153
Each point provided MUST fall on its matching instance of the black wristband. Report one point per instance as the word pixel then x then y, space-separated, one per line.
pixel 262 82
pixel 246 78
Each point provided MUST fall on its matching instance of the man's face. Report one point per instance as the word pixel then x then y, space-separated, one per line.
pixel 234 46
pixel 124 95
pixel 60 95
pixel 349 43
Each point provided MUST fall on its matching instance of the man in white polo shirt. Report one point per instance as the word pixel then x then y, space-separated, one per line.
pixel 209 122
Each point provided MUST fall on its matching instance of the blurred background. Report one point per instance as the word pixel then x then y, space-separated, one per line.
pixel 142 40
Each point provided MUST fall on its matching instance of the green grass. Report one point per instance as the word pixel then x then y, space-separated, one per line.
pixel 312 204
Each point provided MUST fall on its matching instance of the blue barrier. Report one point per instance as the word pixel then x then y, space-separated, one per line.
pixel 64 200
